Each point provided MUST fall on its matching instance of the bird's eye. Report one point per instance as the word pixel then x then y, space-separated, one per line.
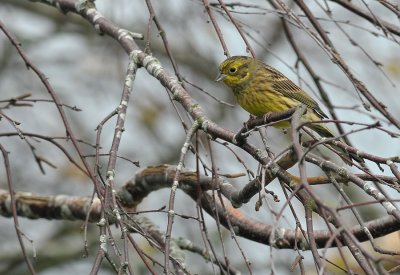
pixel 232 70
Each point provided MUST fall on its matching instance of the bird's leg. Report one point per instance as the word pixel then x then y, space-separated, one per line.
pixel 247 126
pixel 267 117
pixel 241 136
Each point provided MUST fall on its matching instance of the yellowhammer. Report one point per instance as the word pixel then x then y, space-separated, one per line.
pixel 261 89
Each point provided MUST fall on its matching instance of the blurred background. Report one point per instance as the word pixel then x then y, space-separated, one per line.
pixel 87 71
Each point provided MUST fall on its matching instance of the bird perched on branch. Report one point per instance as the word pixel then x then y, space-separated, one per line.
pixel 261 89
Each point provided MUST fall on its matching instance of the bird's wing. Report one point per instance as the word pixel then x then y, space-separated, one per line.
pixel 287 88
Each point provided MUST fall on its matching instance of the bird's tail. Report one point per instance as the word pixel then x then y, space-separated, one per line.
pixel 324 131
pixel 321 130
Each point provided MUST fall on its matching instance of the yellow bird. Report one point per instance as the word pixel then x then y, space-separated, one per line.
pixel 260 89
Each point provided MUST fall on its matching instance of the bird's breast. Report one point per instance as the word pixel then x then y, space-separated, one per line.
pixel 261 99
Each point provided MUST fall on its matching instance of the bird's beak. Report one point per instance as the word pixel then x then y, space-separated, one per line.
pixel 220 76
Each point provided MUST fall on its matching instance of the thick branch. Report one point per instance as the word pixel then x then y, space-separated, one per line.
pixel 153 178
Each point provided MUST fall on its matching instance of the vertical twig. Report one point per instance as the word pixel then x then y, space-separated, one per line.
pixel 216 27
pixel 175 185
pixel 237 26
pixel 13 204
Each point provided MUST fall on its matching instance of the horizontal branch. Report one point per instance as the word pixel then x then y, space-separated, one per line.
pixel 153 178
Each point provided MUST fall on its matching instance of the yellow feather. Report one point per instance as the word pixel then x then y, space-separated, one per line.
pixel 260 89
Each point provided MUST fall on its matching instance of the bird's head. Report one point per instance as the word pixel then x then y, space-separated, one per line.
pixel 236 71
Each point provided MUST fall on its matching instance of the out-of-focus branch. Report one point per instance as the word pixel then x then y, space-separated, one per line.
pixel 368 16
pixel 154 178
pixel 216 27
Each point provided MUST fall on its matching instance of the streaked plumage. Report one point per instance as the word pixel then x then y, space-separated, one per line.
pixel 260 89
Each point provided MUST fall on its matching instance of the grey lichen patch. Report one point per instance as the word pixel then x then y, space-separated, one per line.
pixel 171 213
pixel 103 243
pixel 97 15
pixel 129 81
pixel 125 34
pixel 110 174
pixel 80 5
pixel 390 208
pixel 134 56
pixel 153 66
pixel 262 154
pixel 204 125
pixel 369 187
pixel 21 208
pixel 193 107
pixel 122 33
pixel 176 92
pixel 117 214
pixel 124 103
pixel 132 66
pixel 66 212
pixel 277 237
pixel 118 135
pixel 122 115
pixel 234 140
pixel 342 171
pixel 325 163
pixel 366 231
pixel 136 35
pixel 102 222
pixel 184 243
